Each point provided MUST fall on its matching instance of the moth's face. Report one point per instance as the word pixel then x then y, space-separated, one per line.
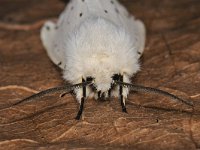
pixel 103 86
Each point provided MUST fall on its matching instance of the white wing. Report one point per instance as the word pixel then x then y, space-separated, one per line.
pixel 119 15
pixel 54 35
pixel 48 33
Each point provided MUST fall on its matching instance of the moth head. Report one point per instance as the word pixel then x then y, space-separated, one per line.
pixel 103 85
pixel 90 81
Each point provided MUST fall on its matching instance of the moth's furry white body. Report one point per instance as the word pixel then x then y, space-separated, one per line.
pixel 96 38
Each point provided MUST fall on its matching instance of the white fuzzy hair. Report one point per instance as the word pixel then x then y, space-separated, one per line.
pixel 95 38
pixel 99 49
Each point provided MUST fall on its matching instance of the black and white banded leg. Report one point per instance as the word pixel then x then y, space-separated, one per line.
pixel 121 96
pixel 82 102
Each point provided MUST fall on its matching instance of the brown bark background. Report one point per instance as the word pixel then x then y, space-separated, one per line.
pixel 171 62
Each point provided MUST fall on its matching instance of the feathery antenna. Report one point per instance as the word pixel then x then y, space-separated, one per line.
pixel 140 88
pixel 65 89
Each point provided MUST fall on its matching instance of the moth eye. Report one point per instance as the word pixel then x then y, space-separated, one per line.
pixel 116 77
pixel 89 79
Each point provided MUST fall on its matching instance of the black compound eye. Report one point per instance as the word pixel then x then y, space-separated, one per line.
pixel 116 77
pixel 89 79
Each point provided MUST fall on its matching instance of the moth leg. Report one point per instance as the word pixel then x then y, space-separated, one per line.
pixel 82 102
pixel 65 93
pixel 122 97
pixel 109 93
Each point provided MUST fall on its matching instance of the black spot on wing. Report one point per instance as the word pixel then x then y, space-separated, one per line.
pixel 56 27
pixel 60 63
pixel 116 10
pixel 47 27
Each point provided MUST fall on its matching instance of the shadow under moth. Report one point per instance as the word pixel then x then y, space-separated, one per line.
pixel 97 44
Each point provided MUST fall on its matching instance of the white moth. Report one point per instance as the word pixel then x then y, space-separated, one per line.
pixel 96 43
pixel 95 39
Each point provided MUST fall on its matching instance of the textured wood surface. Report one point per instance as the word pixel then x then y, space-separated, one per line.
pixel 171 62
